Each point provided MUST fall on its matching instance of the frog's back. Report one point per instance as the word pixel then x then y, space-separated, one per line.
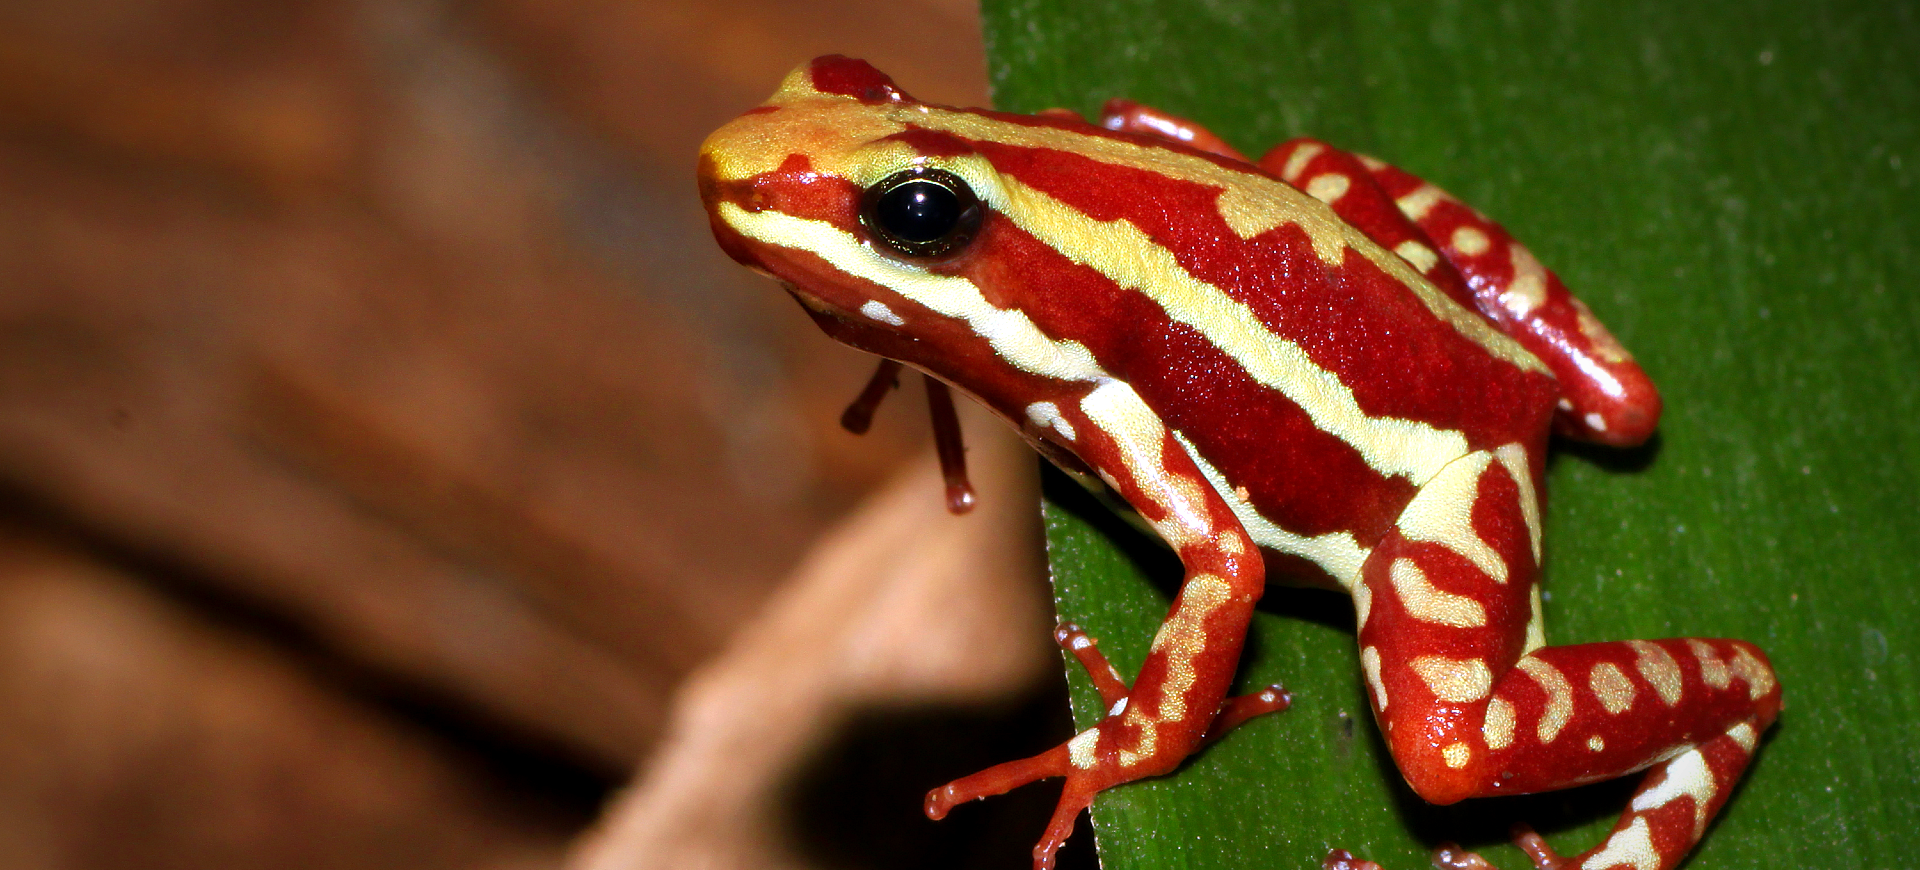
pixel 1305 365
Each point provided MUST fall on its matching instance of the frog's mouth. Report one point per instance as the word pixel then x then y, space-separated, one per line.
pixel 844 325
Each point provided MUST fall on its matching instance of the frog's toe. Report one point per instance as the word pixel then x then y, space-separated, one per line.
pixel 1082 785
pixel 1341 859
pixel 1449 856
pixel 998 779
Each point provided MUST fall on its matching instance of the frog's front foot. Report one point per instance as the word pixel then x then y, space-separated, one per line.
pixel 1082 785
pixel 1108 754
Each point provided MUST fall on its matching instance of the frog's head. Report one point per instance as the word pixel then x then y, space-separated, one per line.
pixel 878 220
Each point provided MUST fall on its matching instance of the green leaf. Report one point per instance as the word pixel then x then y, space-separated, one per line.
pixel 1731 187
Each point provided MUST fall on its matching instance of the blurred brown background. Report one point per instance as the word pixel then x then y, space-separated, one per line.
pixel 384 444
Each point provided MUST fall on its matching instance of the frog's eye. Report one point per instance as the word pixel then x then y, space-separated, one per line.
pixel 922 213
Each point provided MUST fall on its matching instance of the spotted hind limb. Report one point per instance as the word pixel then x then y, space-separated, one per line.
pixel 1472 702
pixel 1173 702
pixel 1664 820
pixel 1606 397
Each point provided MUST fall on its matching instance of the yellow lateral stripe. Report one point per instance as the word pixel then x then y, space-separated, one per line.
pixel 1125 255
pixel 1337 553
pixel 1013 335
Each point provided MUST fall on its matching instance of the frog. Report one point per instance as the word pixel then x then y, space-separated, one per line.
pixel 1314 368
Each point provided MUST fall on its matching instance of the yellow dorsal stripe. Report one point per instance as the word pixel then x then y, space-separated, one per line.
pixel 1129 258
pixel 1337 553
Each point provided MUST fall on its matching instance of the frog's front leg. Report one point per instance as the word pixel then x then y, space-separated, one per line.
pixel 1175 698
pixel 1473 703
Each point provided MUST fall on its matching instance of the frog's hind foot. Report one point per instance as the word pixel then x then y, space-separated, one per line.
pixel 1449 856
pixel 1341 859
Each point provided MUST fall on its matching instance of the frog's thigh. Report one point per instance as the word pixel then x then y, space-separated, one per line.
pixel 1447 603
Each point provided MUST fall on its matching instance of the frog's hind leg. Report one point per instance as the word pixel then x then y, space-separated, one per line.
pixel 1607 398
pixel 1473 703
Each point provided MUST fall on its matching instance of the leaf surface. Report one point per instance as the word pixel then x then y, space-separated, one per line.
pixel 1731 187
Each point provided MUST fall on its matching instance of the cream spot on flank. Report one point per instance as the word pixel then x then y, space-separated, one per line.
pixel 1469 241
pixel 1596 743
pixel 1457 681
pixel 1338 553
pixel 1047 415
pixel 1298 160
pixel 1758 677
pixel 1743 734
pixel 876 310
pixel 1080 748
pixel 1565 404
pixel 1498 727
pixel 1362 605
pixel 1328 187
pixel 1428 604
pixel 1457 755
pixel 1418 255
pixel 1659 669
pixel 1713 671
pixel 1528 290
pixel 1632 847
pixel 1442 513
pixel 1514 458
pixel 1595 422
pixel 1373 164
pixel 1605 346
pixel 1559 696
pixel 1420 200
pixel 1612 687
pixel 1687 775
pixel 1370 665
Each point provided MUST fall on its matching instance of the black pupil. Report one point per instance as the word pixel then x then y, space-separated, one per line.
pixel 918 211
